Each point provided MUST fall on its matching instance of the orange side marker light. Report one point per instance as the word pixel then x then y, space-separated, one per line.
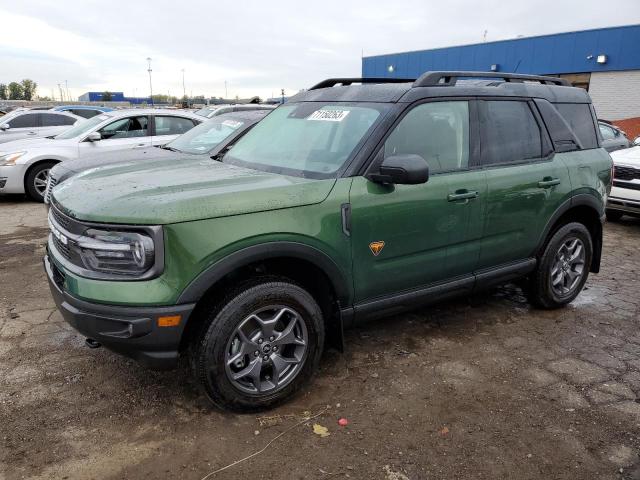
pixel 169 321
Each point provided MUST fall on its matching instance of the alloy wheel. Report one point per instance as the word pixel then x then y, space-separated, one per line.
pixel 568 266
pixel 40 181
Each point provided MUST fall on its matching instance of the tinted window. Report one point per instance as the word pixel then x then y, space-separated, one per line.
pixel 129 127
pixel 208 135
pixel 85 113
pixel 607 132
pixel 28 120
pixel 438 132
pixel 578 116
pixel 172 125
pixel 53 120
pixel 511 133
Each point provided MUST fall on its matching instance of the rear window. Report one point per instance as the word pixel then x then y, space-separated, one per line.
pixel 578 116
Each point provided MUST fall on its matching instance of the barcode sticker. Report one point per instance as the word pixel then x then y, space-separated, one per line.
pixel 328 115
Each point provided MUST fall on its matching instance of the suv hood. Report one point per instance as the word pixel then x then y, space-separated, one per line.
pixel 627 156
pixel 170 191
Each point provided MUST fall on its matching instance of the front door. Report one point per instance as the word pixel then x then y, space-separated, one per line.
pixel 408 236
pixel 121 134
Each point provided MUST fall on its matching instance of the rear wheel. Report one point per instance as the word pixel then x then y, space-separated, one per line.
pixel 563 268
pixel 259 346
pixel 614 215
pixel 36 181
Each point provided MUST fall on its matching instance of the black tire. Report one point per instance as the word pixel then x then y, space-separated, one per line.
pixel 210 350
pixel 36 191
pixel 614 215
pixel 542 292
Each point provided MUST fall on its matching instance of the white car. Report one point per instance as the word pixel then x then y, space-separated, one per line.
pixel 35 123
pixel 25 164
pixel 625 192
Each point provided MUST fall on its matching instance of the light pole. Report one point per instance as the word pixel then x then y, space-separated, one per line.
pixel 226 95
pixel 150 85
pixel 184 89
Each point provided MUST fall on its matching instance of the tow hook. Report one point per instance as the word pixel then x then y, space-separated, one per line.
pixel 91 343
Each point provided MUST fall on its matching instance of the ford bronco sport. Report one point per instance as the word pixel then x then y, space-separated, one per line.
pixel 346 203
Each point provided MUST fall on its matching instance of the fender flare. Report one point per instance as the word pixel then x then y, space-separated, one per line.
pixel 246 256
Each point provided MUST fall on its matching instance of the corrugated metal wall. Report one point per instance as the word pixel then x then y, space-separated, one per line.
pixel 560 53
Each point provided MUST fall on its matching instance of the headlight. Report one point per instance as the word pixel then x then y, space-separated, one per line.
pixel 127 253
pixel 10 158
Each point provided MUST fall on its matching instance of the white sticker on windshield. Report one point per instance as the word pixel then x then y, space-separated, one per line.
pixel 232 124
pixel 329 115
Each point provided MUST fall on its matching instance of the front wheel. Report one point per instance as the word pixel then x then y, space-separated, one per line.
pixel 36 181
pixel 563 267
pixel 259 346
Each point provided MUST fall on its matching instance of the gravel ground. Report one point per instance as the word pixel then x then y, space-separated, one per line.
pixel 483 387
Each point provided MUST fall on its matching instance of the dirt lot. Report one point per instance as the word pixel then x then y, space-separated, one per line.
pixel 477 388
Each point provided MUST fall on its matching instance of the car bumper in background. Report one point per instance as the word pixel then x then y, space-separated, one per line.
pixel 625 199
pixel 131 331
pixel 12 178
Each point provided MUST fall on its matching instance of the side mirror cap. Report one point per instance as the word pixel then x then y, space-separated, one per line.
pixel 5 127
pixel 406 169
pixel 636 141
pixel 94 137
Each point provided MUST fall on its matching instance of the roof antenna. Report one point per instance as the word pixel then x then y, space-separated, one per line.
pixel 484 35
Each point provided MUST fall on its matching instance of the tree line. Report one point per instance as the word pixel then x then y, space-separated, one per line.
pixel 24 90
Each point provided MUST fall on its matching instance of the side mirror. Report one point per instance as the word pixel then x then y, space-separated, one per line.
pixel 406 169
pixel 636 141
pixel 5 127
pixel 94 137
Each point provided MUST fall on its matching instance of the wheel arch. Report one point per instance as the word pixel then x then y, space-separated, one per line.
pixel 34 165
pixel 582 208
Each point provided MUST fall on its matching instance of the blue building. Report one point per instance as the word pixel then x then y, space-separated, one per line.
pixel 604 61
pixel 115 97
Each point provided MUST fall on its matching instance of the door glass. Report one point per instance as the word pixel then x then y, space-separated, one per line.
pixel 607 133
pixel 578 115
pixel 130 127
pixel 438 132
pixel 512 133
pixel 54 120
pixel 28 120
pixel 172 125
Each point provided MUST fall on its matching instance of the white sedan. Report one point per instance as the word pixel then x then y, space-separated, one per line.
pixel 25 164
pixel 625 192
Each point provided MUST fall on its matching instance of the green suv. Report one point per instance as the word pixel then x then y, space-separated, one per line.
pixel 356 199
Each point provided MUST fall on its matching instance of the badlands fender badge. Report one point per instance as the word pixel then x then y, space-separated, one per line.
pixel 376 247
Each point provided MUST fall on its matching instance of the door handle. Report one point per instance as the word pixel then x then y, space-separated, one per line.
pixel 461 195
pixel 141 145
pixel 548 182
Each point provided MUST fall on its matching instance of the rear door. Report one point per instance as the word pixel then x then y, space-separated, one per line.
pixel 168 127
pixel 526 181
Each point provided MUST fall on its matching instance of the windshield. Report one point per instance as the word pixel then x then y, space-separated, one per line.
pixel 82 127
pixel 206 112
pixel 312 140
pixel 206 136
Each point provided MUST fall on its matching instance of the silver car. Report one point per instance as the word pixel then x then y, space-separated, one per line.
pixel 25 164
pixel 215 110
pixel 23 123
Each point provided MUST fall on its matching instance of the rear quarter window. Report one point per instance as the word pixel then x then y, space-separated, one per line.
pixel 579 118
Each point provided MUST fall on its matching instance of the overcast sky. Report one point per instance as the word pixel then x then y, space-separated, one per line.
pixel 258 47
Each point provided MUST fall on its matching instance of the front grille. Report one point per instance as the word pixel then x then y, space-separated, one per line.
pixel 626 173
pixel 51 182
pixel 62 248
pixel 61 218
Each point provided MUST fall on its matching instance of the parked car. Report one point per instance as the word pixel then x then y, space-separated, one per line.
pixel 84 111
pixel 625 193
pixel 346 203
pixel 203 142
pixel 22 123
pixel 613 138
pixel 213 110
pixel 25 164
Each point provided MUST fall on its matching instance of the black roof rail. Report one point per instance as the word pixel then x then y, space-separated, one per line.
pixel 435 79
pixel 332 82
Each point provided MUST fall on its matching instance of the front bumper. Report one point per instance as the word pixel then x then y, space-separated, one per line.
pixel 12 178
pixel 131 331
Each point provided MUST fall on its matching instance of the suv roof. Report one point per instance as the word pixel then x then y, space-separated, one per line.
pixel 444 84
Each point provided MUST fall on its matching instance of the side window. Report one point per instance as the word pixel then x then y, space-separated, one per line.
pixel 578 116
pixel 607 133
pixel 511 133
pixel 86 113
pixel 129 127
pixel 53 120
pixel 28 120
pixel 438 132
pixel 172 125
